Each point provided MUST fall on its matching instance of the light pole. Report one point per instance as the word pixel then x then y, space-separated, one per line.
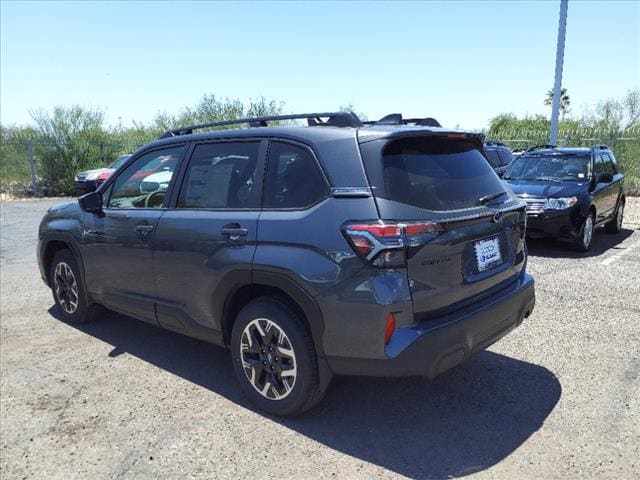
pixel 555 109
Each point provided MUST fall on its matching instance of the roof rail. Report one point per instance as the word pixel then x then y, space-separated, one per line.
pixel 539 147
pixel 396 119
pixel 334 119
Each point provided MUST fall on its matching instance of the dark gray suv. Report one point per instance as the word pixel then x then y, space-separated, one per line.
pixel 387 248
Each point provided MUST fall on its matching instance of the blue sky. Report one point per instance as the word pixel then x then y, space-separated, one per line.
pixel 461 62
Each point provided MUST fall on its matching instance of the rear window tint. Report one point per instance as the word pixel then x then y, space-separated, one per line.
pixel 437 174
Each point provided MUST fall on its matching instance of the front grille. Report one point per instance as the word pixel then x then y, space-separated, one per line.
pixel 535 206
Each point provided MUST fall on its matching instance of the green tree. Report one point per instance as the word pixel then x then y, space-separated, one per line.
pixel 69 140
pixel 565 101
pixel 616 114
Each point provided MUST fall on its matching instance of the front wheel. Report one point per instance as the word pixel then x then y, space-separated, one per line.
pixel 583 242
pixel 68 289
pixel 274 358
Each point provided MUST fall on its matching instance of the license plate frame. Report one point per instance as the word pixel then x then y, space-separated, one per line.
pixel 488 254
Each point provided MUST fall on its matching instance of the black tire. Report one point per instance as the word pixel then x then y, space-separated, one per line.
pixel 73 307
pixel 585 239
pixel 615 225
pixel 298 395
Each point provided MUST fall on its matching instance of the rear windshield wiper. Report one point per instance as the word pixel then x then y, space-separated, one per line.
pixel 491 196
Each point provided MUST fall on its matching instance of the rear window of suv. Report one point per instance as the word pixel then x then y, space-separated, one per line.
pixel 437 173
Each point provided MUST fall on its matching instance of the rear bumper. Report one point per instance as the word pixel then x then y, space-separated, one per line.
pixel 429 348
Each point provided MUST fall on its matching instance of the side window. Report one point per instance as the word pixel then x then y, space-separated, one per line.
pixel 221 175
pixel 601 166
pixel 293 178
pixel 505 157
pixel 144 183
pixel 611 165
pixel 492 156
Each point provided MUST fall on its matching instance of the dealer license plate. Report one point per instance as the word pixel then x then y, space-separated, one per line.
pixel 488 253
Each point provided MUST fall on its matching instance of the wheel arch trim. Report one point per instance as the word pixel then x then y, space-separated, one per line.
pixel 281 282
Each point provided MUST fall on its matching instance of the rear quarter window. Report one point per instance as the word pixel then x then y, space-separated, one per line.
pixel 436 173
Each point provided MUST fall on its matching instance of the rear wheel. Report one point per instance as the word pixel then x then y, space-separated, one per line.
pixel 583 242
pixel 274 358
pixel 68 289
pixel 615 225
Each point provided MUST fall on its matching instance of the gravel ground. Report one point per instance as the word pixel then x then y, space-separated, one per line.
pixel 557 398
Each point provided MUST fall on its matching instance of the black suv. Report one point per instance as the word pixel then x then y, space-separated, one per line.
pixel 387 249
pixel 499 156
pixel 569 192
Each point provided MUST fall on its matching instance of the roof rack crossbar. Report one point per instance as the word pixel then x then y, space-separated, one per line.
pixel 339 119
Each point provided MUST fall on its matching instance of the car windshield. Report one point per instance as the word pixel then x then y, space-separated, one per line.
pixel 115 164
pixel 550 168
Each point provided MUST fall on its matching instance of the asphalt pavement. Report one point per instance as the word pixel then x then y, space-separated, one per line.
pixel 557 398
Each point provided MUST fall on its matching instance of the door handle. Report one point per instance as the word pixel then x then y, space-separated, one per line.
pixel 143 231
pixel 234 231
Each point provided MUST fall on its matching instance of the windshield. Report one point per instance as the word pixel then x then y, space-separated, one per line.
pixel 438 174
pixel 551 167
pixel 119 161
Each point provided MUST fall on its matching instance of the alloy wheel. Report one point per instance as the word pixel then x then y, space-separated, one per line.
pixel 587 232
pixel 268 359
pixel 66 287
pixel 619 216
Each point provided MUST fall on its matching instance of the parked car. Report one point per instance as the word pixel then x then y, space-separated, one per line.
pixel 89 180
pixel 388 249
pixel 569 192
pixel 499 156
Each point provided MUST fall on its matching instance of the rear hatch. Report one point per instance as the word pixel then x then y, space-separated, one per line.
pixel 473 245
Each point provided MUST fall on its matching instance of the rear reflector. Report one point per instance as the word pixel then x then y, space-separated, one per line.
pixel 390 328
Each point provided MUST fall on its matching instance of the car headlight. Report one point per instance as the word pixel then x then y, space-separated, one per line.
pixel 559 203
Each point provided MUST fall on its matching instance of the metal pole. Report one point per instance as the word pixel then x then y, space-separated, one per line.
pixel 555 110
pixel 32 164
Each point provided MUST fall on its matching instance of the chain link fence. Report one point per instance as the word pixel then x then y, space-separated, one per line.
pixel 37 168
pixel 30 167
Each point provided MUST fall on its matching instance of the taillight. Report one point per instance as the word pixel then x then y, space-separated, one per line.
pixel 384 244
pixel 103 176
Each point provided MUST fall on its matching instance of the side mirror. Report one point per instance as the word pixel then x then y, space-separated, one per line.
pixel 605 178
pixel 91 202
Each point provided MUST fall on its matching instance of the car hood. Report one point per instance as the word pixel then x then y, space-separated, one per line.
pixel 542 189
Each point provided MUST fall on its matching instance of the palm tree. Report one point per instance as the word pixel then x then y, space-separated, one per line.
pixel 565 101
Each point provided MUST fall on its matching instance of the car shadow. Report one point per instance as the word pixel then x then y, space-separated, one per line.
pixel 464 421
pixel 602 243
